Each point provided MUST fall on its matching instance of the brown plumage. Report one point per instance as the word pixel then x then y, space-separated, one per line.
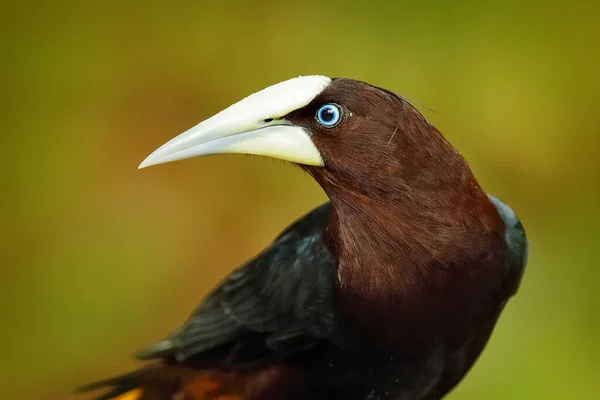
pixel 390 291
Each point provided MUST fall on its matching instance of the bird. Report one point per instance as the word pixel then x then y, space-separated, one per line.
pixel 388 291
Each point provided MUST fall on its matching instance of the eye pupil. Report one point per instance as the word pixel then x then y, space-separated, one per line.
pixel 328 115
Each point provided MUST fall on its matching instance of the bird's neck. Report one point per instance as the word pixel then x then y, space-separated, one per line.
pixel 402 261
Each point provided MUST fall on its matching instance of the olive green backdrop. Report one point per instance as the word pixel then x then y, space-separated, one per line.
pixel 99 259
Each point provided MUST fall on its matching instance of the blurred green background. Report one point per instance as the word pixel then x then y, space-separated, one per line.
pixel 100 259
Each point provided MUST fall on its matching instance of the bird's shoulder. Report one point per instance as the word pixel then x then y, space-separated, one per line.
pixel 515 238
pixel 275 305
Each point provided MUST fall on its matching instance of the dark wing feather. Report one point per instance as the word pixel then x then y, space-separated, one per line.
pixel 277 304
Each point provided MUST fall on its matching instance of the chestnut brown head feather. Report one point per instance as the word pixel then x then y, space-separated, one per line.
pixel 384 149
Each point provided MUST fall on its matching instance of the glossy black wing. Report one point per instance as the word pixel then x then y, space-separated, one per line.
pixel 277 304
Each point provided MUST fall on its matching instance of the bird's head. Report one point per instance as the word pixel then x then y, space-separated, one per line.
pixel 347 134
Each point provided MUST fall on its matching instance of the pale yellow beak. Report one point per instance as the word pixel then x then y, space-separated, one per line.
pixel 254 125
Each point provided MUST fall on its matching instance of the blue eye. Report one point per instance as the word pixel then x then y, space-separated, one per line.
pixel 329 115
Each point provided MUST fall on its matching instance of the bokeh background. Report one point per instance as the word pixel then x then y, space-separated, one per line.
pixel 100 259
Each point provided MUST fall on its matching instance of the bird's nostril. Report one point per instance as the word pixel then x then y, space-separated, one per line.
pixel 266 121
